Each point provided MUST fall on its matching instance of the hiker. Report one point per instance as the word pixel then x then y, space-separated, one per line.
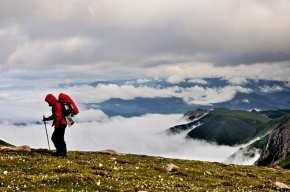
pixel 59 124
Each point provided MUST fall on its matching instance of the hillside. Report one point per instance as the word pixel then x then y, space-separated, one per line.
pixel 223 126
pixel 277 146
pixel 273 114
pixel 272 148
pixel 95 171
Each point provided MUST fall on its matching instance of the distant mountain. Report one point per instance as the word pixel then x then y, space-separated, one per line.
pixel 169 105
pixel 246 101
pixel 264 95
pixel 141 106
pixel 282 97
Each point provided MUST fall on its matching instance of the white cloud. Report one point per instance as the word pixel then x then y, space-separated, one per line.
pixel 238 80
pixel 192 95
pixel 139 135
pixel 269 89
pixel 143 80
pixel 208 96
pixel 246 101
pixel 175 79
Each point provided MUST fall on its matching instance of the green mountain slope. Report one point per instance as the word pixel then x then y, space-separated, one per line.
pixel 263 133
pixel 277 147
pixel 94 171
pixel 4 143
pixel 275 113
pixel 227 127
pixel 268 127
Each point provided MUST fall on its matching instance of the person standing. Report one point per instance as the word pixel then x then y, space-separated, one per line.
pixel 59 123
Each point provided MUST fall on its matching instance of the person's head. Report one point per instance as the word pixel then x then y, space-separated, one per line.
pixel 50 99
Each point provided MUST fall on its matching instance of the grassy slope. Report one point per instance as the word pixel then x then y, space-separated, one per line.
pixel 276 113
pixel 269 126
pixel 263 133
pixel 228 127
pixel 92 171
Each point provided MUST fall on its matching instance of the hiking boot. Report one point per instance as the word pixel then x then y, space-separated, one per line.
pixel 59 154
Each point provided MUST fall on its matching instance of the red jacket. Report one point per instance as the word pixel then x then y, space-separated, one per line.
pixel 56 110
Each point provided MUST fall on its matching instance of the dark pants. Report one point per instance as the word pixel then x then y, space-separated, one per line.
pixel 58 139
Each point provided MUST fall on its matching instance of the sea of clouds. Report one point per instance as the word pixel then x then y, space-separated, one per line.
pixel 93 130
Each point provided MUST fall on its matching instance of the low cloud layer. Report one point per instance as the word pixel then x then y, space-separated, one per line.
pixel 138 135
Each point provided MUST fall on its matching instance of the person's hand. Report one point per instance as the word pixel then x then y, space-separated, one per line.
pixel 44 118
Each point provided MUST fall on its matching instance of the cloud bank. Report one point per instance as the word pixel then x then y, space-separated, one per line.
pixel 90 40
pixel 95 131
pixel 138 135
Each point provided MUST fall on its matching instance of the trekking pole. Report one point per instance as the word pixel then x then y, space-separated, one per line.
pixel 46 134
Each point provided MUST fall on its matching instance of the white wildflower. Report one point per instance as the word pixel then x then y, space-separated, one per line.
pixel 5 172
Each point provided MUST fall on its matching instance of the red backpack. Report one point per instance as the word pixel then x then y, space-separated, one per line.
pixel 69 106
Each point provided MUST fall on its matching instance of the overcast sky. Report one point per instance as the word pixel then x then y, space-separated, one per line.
pixel 86 40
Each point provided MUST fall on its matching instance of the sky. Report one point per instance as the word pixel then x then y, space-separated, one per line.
pixel 47 43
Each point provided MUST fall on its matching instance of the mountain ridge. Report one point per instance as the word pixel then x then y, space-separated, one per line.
pixel 259 94
pixel 223 126
pixel 268 137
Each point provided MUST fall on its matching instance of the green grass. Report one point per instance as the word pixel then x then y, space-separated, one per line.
pixel 241 113
pixel 93 171
pixel 228 127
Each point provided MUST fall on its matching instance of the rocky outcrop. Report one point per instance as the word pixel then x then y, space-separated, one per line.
pixel 191 115
pixel 170 167
pixel 111 152
pixel 19 148
pixel 277 147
